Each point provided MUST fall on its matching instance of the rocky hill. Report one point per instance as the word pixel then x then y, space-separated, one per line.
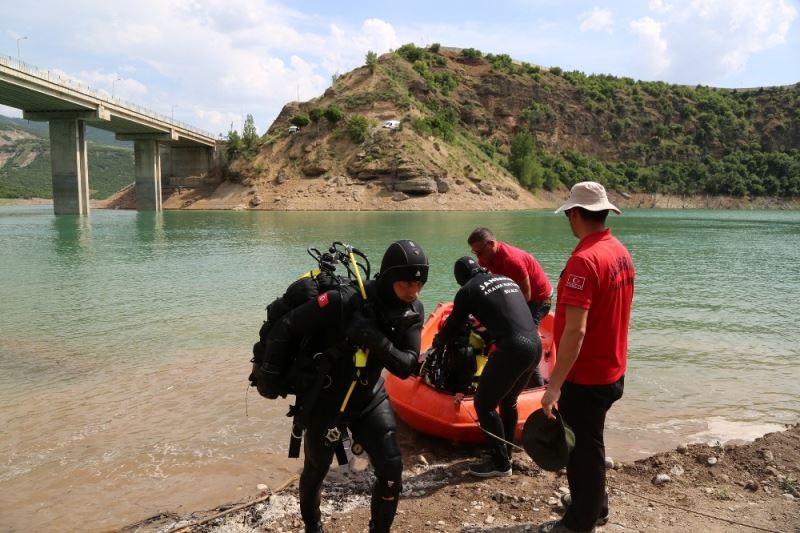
pixel 486 132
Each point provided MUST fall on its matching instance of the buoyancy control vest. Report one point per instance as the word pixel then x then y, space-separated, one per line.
pixel 305 289
pixel 312 284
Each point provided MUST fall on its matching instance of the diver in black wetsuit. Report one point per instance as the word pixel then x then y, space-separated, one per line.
pixel 498 304
pixel 389 325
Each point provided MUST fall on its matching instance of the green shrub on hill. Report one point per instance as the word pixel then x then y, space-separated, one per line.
pixel 333 114
pixel 471 53
pixel 357 128
pixel 300 120
pixel 411 52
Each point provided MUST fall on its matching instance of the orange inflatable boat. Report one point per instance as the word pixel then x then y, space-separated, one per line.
pixel 433 411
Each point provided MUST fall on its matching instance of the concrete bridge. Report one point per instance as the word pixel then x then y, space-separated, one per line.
pixel 158 140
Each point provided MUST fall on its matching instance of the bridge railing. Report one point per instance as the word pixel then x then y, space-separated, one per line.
pixel 64 81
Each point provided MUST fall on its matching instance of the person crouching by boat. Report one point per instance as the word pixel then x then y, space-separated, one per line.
pixel 501 258
pixel 499 305
pixel 389 325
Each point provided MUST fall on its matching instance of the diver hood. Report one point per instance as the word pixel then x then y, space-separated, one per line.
pixel 465 268
pixel 404 260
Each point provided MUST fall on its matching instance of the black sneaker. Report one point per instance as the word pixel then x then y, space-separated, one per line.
pixel 488 468
pixel 566 500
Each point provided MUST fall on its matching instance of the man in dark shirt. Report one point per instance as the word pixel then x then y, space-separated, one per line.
pixel 507 260
pixel 498 304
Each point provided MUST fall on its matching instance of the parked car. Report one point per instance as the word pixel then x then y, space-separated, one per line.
pixel 392 124
pixel 294 129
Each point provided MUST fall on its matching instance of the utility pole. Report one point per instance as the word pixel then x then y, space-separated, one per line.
pixel 112 86
pixel 18 40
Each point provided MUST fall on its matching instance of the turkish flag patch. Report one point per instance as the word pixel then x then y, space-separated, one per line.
pixel 576 282
pixel 322 300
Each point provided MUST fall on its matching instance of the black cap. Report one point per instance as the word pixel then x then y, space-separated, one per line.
pixel 465 268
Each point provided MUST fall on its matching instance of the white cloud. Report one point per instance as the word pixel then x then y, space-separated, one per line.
pixel 713 39
pixel 597 20
pixel 108 83
pixel 655 50
pixel 659 6
pixel 226 57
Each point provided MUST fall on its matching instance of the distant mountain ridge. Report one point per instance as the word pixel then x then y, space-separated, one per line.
pixel 25 160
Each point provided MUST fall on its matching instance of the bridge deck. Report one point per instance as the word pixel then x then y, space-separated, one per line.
pixel 43 96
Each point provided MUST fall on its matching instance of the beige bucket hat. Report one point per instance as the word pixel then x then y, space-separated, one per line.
pixel 589 195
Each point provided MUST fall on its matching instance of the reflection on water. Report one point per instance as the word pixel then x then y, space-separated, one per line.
pixel 150 227
pixel 72 237
pixel 125 342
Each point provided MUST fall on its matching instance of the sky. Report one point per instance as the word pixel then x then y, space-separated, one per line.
pixel 209 63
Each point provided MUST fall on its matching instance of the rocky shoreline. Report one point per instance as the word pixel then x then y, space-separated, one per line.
pixel 698 487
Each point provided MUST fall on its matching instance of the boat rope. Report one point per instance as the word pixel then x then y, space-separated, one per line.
pixel 637 495
pixel 213 517
pixel 517 446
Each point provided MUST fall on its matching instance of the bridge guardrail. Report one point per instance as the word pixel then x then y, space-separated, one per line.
pixel 46 75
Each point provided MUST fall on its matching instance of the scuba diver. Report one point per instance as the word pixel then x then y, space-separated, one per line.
pixel 386 321
pixel 499 305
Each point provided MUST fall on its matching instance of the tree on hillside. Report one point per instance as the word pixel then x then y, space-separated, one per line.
pixel 233 146
pixel 372 61
pixel 333 114
pixel 315 114
pixel 522 162
pixel 249 134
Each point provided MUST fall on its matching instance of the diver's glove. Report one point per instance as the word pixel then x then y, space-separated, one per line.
pixel 438 343
pixel 365 332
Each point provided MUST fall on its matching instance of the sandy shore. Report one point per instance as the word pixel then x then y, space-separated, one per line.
pixel 710 488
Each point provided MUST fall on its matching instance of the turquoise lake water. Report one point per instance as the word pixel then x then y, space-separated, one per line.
pixel 125 339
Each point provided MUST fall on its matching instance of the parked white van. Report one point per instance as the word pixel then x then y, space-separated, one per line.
pixel 293 129
pixel 392 124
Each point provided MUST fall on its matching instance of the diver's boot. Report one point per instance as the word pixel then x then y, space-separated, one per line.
pixel 314 528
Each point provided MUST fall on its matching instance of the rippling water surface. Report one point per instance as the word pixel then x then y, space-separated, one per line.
pixel 125 338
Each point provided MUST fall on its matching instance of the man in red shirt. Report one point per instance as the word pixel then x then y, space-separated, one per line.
pixel 593 309
pixel 501 258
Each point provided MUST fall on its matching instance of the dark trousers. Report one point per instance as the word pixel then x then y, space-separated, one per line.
pixel 376 431
pixel 539 310
pixel 503 378
pixel 584 408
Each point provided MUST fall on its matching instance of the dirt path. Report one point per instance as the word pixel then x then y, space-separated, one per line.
pixel 750 485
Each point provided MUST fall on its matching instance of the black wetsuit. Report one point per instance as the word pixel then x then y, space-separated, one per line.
pixel 498 304
pixel 329 320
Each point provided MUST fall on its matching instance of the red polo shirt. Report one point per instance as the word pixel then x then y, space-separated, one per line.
pixel 599 277
pixel 518 264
